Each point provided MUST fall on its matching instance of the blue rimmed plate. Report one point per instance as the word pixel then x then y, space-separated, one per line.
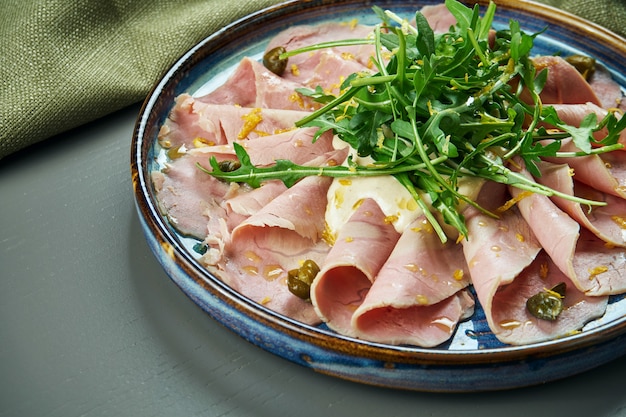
pixel 473 360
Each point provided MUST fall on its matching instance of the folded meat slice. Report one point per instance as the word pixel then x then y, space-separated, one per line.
pixel 324 68
pixel 417 297
pixel 496 250
pixel 362 246
pixel 606 222
pixel 606 172
pixel 294 145
pixel 593 266
pixel 564 84
pixel 253 85
pixel 300 208
pixel 511 320
pixel 608 91
pixel 555 230
pixel 272 241
pixel 245 204
pixel 192 122
pixel 508 266
pixel 188 196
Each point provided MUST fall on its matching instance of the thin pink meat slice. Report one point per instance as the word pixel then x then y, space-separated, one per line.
pixel 591 265
pixel 362 247
pixel 256 265
pixel 216 124
pixel 277 238
pixel 608 91
pixel 606 222
pixel 188 196
pixel 295 145
pixel 606 172
pixel 245 204
pixel 326 69
pixel 253 85
pixel 556 231
pixel 514 324
pixel 564 84
pixel 417 297
pixel 300 208
pixel 497 250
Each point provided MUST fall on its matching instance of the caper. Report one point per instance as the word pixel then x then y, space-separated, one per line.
pixel 229 165
pixel 308 271
pixel 298 288
pixel 273 61
pixel 547 305
pixel 299 280
pixel 585 65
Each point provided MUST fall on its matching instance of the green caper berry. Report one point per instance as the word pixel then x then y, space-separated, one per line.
pixel 547 305
pixel 299 280
pixel 229 165
pixel 273 62
pixel 585 65
pixel 308 271
pixel 296 286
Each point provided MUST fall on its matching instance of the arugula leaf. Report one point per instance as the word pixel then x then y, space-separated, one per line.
pixel 441 107
pixel 425 40
pixel 462 13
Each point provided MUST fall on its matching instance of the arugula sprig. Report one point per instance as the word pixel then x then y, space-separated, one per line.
pixel 289 172
pixel 440 107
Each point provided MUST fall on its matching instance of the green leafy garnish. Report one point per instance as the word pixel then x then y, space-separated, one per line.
pixel 440 107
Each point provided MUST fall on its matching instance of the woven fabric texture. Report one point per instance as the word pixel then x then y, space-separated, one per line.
pixel 67 62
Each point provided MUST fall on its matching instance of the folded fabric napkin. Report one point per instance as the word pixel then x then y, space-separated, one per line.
pixel 68 62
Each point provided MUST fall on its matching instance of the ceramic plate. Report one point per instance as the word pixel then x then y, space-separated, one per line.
pixel 473 360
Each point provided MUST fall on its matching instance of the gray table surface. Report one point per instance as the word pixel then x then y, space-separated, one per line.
pixel 90 325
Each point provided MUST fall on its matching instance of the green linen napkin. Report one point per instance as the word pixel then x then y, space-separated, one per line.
pixel 67 62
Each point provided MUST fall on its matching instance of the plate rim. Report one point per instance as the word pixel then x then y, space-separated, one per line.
pixel 604 333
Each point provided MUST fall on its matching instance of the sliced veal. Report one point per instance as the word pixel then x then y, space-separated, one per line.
pixel 591 265
pixel 193 122
pixel 606 222
pixel 253 85
pixel 361 248
pixel 274 240
pixel 418 295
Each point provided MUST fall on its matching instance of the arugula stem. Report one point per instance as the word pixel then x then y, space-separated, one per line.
pixel 326 45
pixel 519 180
pixel 478 50
pixel 594 151
pixel 341 99
pixel 404 179
pixel 247 173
